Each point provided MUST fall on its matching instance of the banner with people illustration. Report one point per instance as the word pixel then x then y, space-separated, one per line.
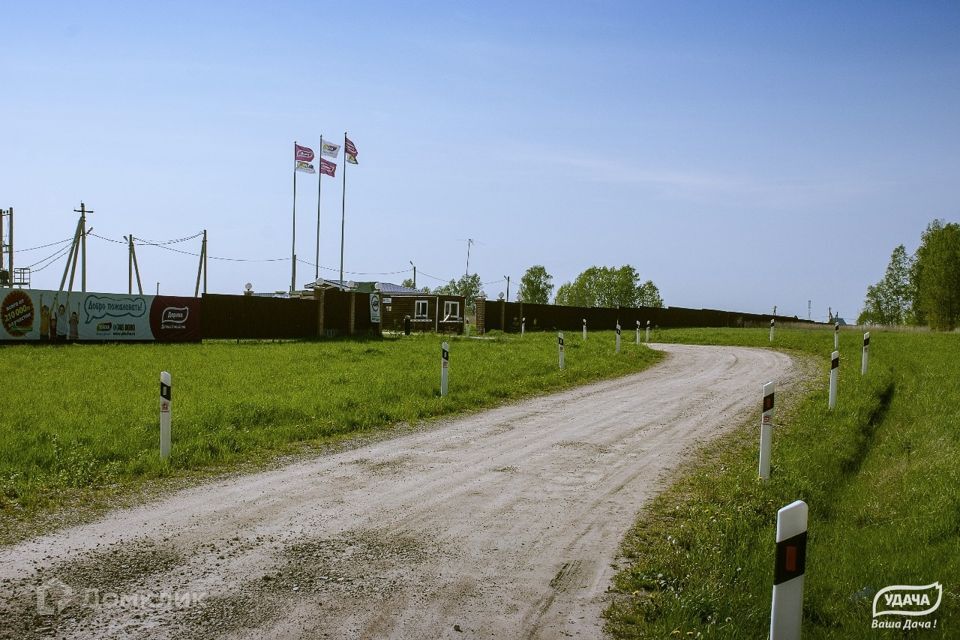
pixel 59 316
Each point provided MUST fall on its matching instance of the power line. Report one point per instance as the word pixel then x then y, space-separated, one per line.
pixel 43 246
pixel 51 259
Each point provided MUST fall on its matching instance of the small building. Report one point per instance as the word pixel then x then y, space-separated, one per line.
pixel 440 313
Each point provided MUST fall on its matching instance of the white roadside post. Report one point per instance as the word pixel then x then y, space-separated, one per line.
pixel 618 337
pixel 834 371
pixel 864 359
pixel 166 402
pixel 560 347
pixel 584 329
pixel 638 332
pixel 836 335
pixel 466 326
pixel 766 430
pixel 648 331
pixel 444 367
pixel 786 614
pixel 773 323
pixel 523 326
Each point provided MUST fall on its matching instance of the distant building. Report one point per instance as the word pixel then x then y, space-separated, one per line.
pixel 441 313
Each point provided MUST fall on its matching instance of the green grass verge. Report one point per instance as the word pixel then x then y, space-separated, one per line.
pixel 880 475
pixel 79 421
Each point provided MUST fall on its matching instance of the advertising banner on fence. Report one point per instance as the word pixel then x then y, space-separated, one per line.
pixel 58 316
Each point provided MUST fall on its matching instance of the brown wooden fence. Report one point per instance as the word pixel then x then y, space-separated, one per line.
pixel 507 316
pixel 259 318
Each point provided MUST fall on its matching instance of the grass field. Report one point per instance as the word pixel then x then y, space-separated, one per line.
pixel 79 421
pixel 880 475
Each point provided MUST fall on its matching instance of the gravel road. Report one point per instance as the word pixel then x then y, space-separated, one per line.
pixel 501 524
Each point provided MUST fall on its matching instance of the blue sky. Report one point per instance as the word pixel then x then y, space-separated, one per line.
pixel 741 155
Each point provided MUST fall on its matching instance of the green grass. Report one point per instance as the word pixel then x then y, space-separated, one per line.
pixel 880 475
pixel 79 421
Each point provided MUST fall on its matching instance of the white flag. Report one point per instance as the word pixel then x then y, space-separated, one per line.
pixel 305 167
pixel 330 149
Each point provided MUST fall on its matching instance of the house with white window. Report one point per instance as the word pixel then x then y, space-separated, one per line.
pixel 439 313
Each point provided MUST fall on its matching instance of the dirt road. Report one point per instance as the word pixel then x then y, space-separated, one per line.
pixel 502 524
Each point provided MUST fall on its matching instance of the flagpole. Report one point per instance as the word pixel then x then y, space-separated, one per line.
pixel 293 235
pixel 343 204
pixel 316 260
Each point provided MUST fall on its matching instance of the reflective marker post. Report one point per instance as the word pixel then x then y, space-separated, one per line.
pixel 560 347
pixel 834 372
pixel 584 329
pixel 836 335
pixel 166 402
pixel 766 430
pixel 786 613
pixel 444 367
pixel 772 325
pixel 648 331
pixel 523 326
pixel 618 337
pixel 638 332
pixel 866 354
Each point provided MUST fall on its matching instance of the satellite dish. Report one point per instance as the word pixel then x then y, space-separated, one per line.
pixel 248 286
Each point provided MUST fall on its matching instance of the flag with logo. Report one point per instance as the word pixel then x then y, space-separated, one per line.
pixel 328 168
pixel 350 152
pixel 302 154
pixel 305 167
pixel 329 149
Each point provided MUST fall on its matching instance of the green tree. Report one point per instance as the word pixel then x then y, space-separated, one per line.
pixel 935 276
pixel 467 286
pixel 536 285
pixel 890 300
pixel 650 295
pixel 609 287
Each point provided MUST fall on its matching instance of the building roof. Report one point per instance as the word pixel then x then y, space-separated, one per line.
pixel 363 287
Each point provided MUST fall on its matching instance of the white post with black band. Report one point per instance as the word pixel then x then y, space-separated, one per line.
pixel 523 326
pixel 786 613
pixel 772 325
pixel 618 337
pixel 638 332
pixel 560 347
pixel 766 430
pixel 648 331
pixel 584 329
pixel 836 335
pixel 444 367
pixel 865 358
pixel 834 372
pixel 166 408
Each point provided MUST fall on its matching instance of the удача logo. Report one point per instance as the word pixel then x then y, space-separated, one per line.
pixel 174 317
pixel 907 600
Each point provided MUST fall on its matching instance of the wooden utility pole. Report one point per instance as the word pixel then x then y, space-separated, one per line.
pixel 7 247
pixel 83 247
pixel 202 267
pixel 132 266
pixel 71 258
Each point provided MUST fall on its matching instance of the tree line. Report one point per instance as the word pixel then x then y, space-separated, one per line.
pixel 922 289
pixel 594 287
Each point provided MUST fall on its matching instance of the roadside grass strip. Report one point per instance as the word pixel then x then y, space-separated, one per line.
pixel 82 421
pixel 879 474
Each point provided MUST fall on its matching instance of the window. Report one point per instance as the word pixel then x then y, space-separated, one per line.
pixel 451 310
pixel 420 310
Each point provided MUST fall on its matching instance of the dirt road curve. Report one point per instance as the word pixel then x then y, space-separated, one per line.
pixel 498 525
